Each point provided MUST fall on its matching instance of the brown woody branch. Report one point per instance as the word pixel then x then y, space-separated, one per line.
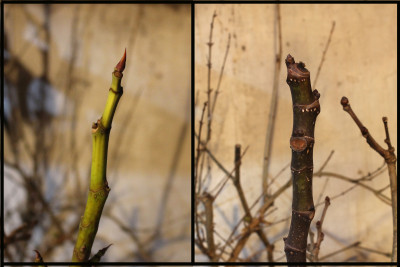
pixel 390 158
pixel 255 222
pixel 273 107
pixel 209 214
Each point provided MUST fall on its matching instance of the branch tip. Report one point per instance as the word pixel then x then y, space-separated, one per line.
pixel 344 101
pixel 289 60
pixel 387 140
pixel 327 200
pixel 121 64
pixel 38 257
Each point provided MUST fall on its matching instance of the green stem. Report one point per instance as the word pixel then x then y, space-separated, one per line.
pixel 305 111
pixel 98 190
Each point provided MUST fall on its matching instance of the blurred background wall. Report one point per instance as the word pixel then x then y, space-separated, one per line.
pixel 58 65
pixel 360 64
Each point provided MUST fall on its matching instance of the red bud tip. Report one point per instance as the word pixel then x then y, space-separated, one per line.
pixel 121 64
pixel 38 256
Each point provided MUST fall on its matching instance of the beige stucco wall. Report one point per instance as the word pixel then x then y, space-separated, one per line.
pixel 146 130
pixel 360 64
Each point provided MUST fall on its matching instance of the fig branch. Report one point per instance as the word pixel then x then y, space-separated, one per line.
pixel 98 190
pixel 305 111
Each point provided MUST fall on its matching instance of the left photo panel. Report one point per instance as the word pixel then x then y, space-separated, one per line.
pixel 97 132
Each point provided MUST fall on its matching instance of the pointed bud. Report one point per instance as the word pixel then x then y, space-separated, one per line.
pixel 121 64
pixel 289 60
pixel 38 256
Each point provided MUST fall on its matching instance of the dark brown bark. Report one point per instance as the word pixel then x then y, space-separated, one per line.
pixel 305 111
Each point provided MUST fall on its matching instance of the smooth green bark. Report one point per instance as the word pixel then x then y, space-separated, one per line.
pixel 98 190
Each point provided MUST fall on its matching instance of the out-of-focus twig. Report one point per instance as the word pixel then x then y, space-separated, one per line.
pixel 249 217
pixel 172 173
pixel 209 89
pixel 142 253
pixel 324 53
pixel 320 235
pixel 217 91
pixel 20 233
pixel 354 245
pixel 39 258
pixel 386 254
pixel 197 181
pixel 273 105
pixel 209 213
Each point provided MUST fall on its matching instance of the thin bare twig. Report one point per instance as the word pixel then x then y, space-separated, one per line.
pixel 326 180
pixel 208 206
pixel 267 204
pixel 22 232
pixel 246 208
pixel 271 199
pixel 230 174
pixel 354 245
pixel 326 161
pixel 217 92
pixel 278 174
pixel 236 181
pixel 364 131
pixel 386 254
pixel 196 178
pixel 273 107
pixel 202 146
pixel 324 53
pixel 320 234
pixel 209 44
pixel 390 159
pixel 141 251
pixel 358 181
pixel 172 174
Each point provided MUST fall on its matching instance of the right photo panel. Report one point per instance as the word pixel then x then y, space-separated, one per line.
pixel 295 133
